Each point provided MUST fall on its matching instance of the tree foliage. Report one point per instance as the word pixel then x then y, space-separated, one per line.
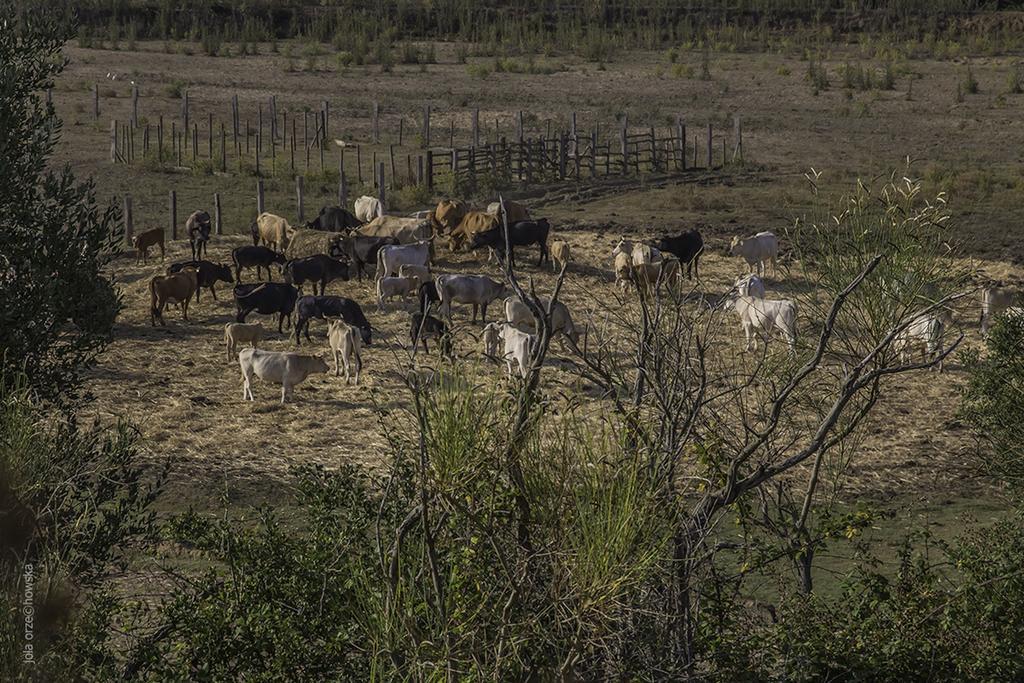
pixel 59 308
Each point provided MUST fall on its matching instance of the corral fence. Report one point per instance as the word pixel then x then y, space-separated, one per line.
pixel 271 141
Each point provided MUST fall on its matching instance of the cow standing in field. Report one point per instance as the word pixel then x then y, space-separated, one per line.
pixel 316 269
pixel 758 251
pixel 924 330
pixel 197 227
pixel 391 258
pixel 750 285
pixel 255 257
pixel 423 327
pixel 522 234
pixel 241 333
pixel 472 223
pixel 518 348
pixel 208 274
pixel 273 231
pixel 448 214
pixel 402 230
pixel 759 316
pixel 520 316
pixel 514 211
pixel 346 345
pixel 266 298
pixel 334 219
pixel 144 240
pixel 390 287
pixel 428 296
pixel 561 255
pixel 325 307
pixel 367 208
pixel 177 288
pixel 687 247
pixel 284 368
pixel 477 290
pixel 994 300
pixel 362 251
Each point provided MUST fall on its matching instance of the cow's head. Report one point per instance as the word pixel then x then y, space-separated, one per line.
pixel 223 273
pixel 366 334
pixel 736 243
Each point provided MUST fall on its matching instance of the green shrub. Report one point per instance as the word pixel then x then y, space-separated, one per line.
pixel 1014 81
pixel 970 82
pixel 479 70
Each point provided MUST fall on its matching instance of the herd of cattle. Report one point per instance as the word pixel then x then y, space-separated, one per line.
pixel 401 251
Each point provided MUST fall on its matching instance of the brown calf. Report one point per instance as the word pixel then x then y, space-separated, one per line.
pixel 144 240
pixel 176 288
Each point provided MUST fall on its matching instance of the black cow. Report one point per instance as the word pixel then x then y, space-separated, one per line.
pixel 687 247
pixel 323 307
pixel 334 219
pixel 428 295
pixel 423 328
pixel 198 228
pixel 317 268
pixel 254 257
pixel 521 234
pixel 208 274
pixel 361 251
pixel 266 298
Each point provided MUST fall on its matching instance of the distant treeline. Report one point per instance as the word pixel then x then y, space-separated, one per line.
pixel 633 23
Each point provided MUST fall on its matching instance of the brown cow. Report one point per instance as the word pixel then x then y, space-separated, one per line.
pixel 516 212
pixel 448 214
pixel 176 288
pixel 144 240
pixel 472 223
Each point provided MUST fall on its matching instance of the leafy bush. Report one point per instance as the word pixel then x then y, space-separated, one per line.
pixel 992 402
pixel 59 307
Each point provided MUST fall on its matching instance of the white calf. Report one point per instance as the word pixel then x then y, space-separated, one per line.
pixel 492 337
pixel 994 300
pixel 421 273
pixel 346 344
pixel 758 251
pixel 926 330
pixel 560 255
pixel 390 287
pixel 518 346
pixel 750 285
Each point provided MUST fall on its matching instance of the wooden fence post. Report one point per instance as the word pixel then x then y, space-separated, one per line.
pixel 323 135
pixel 737 150
pixel 359 164
pixel 160 140
pixel 419 170
pixel 380 184
pixel 129 223
pixel 292 163
pixel 430 170
pixel 342 188
pixel 218 223
pixel 710 147
pixel 451 133
pixel 376 123
pixel 575 138
pixel 325 109
pixel 593 154
pixel 259 196
pixel 259 129
pixel 209 135
pixel 391 152
pixel 299 203
pixel 135 106
pixel 401 130
pixel 195 141
pixel 113 141
pixel 623 141
pixel 174 214
pixel 563 149
pixel 223 150
pixel 476 127
pixel 654 152
pixel 273 118
pixel 234 121
pixel 256 151
pixel 184 109
pixel 519 125
pixel 96 100
pixel 373 168
pixel 426 126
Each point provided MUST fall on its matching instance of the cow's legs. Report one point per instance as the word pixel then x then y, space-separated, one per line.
pixel 184 307
pixel 337 365
pixel 359 366
pixel 213 292
pixel 284 393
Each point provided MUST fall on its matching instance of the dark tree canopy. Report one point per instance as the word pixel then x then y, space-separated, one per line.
pixel 58 308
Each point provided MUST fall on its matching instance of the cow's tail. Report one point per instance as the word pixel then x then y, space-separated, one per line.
pixel 153 310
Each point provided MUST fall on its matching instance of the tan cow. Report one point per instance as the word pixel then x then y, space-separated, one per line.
pixel 560 255
pixel 405 230
pixel 241 333
pixel 448 214
pixel 177 288
pixel 275 232
pixel 346 344
pixel 304 243
pixel 472 223
pixel 144 240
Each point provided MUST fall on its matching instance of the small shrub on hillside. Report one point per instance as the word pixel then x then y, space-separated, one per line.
pixel 682 71
pixel 888 79
pixel 479 70
pixel 970 82
pixel 175 89
pixel 783 70
pixel 1014 82
pixel 461 52
pixel 84 36
pixel 817 75
pixel 705 66
pixel 672 55
pixel 411 197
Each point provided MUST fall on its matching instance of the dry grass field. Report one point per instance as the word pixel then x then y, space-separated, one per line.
pixel 176 384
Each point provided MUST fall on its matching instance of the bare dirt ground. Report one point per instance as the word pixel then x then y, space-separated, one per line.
pixel 179 387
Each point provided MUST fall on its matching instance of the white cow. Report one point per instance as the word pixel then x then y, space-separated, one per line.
pixel 638 252
pixel 478 290
pixel 347 345
pixel 750 285
pixel 623 270
pixel 925 330
pixel 518 346
pixel 390 287
pixel 241 333
pixel 284 368
pixel 994 300
pixel 367 208
pixel 391 257
pixel 561 255
pixel 762 315
pixel 519 316
pixel 758 251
